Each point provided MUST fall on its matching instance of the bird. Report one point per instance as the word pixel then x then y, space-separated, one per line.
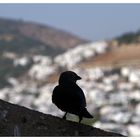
pixel 69 97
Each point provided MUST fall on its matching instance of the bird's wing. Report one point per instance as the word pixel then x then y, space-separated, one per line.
pixel 75 97
pixel 69 97
pixel 81 97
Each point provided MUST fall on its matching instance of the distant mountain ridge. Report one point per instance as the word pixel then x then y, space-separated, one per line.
pixel 45 34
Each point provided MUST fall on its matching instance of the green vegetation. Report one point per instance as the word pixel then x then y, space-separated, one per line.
pixel 12 40
pixel 26 46
pixel 127 38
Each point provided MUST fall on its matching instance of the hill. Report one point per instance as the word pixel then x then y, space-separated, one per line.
pixel 35 34
pixel 129 38
pixel 20 39
pixel 125 55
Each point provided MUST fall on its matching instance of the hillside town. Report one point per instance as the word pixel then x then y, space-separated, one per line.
pixel 112 94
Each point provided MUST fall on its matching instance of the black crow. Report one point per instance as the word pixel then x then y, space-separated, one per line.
pixel 69 97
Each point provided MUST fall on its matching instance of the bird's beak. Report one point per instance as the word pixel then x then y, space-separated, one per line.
pixel 79 78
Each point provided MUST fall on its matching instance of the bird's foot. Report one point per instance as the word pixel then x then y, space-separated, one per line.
pixel 64 117
pixel 80 119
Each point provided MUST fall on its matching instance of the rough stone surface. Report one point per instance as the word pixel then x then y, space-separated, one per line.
pixel 16 120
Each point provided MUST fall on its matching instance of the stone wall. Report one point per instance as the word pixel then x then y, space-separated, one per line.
pixel 16 120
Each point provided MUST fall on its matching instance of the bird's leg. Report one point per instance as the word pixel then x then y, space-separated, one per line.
pixel 64 117
pixel 80 118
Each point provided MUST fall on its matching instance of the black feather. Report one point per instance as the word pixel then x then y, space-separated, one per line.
pixel 69 97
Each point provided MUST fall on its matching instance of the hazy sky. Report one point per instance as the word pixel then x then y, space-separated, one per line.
pixel 90 21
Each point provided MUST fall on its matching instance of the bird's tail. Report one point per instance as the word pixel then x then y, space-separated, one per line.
pixel 86 114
